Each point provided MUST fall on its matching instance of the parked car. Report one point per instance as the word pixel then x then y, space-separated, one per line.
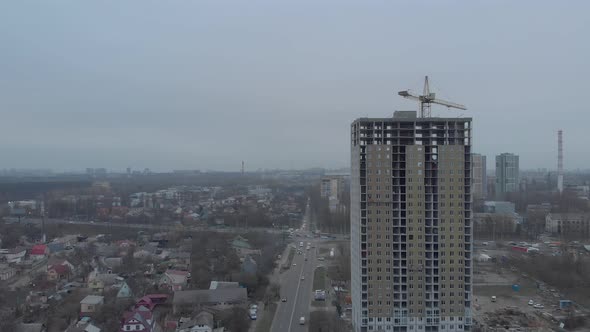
pixel 538 306
pixel 531 302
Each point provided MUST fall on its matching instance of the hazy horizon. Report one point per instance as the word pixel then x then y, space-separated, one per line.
pixel 205 85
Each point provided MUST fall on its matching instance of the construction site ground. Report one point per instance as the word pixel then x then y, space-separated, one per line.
pixel 511 308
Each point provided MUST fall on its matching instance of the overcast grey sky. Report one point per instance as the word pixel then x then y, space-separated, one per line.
pixel 207 84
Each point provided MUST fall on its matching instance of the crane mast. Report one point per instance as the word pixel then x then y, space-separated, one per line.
pixel 427 98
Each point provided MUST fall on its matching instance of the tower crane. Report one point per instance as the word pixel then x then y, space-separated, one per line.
pixel 428 98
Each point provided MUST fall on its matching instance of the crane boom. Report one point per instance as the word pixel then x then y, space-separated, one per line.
pixel 428 98
pixel 448 104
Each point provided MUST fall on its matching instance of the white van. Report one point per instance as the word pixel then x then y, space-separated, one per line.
pixel 302 320
pixel 494 298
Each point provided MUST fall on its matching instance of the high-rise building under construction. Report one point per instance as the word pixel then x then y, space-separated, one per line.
pixel 411 234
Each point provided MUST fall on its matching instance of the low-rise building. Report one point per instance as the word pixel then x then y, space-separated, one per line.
pixel 220 298
pixel 6 272
pixel 58 272
pixel 174 280
pixel 203 322
pixel 223 284
pixel 124 291
pixel 83 325
pixel 574 225
pixel 243 247
pixel 14 255
pixel 90 304
pixel 499 207
pixel 140 319
pixel 39 251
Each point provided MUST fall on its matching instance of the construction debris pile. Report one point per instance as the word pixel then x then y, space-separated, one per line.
pixel 511 319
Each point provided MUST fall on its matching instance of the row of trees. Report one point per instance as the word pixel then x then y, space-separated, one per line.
pixel 568 271
pixel 496 227
pixel 326 220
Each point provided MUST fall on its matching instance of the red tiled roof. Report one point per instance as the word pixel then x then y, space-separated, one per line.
pixel 60 269
pixel 39 249
pixel 144 311
pixel 146 302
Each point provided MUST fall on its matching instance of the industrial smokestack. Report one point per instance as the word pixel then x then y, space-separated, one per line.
pixel 560 161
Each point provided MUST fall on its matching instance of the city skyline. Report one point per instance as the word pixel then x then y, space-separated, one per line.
pixel 161 92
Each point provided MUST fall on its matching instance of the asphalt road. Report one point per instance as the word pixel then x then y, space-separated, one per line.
pixel 298 292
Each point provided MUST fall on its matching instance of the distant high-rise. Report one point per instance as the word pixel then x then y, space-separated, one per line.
pixel 411 233
pixel 507 178
pixel 479 186
pixel 331 187
pixel 560 161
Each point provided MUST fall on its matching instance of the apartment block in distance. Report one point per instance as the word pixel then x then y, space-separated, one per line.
pixel 411 226
pixel 479 184
pixel 331 187
pixel 507 178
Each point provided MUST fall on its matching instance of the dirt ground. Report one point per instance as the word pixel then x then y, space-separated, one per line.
pixel 496 279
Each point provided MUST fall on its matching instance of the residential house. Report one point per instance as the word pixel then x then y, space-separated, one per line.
pixel 124 291
pixel 62 261
pixel 203 322
pixel 6 272
pixel 53 263
pixel 39 251
pixel 112 262
pixel 58 272
pixel 145 301
pixel 174 280
pixel 83 325
pixel 151 300
pixel 220 298
pixel 140 319
pixel 96 285
pixel 90 304
pixel 97 282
